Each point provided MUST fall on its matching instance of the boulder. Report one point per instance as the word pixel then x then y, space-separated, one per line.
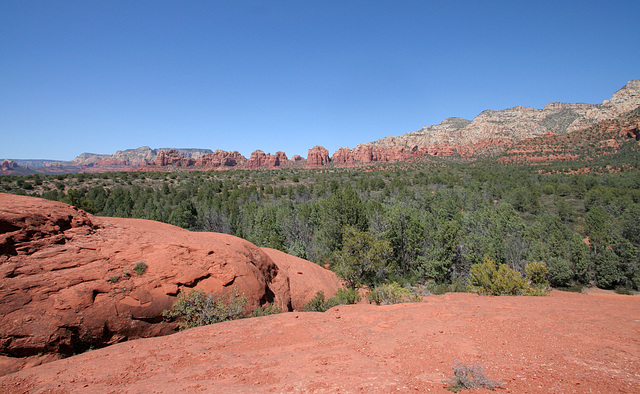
pixel 305 280
pixel 68 281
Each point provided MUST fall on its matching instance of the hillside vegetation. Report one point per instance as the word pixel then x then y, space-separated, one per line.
pixel 416 222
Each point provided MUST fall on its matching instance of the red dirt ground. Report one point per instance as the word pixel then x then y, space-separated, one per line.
pixel 564 343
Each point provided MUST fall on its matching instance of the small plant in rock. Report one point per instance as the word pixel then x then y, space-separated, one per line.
pixel 140 267
pixel 391 293
pixel 198 308
pixel 114 279
pixel 469 377
pixel 266 310
pixel 317 304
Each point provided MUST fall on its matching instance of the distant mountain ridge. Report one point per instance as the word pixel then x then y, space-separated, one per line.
pixel 491 133
pixel 491 128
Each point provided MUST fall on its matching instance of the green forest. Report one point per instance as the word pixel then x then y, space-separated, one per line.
pixel 409 223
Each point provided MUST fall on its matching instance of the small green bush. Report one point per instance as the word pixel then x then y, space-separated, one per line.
pixel 199 309
pixel 266 310
pixel 341 297
pixel 537 273
pixel 573 289
pixel 344 297
pixel 114 279
pixel 317 304
pixel 623 290
pixel 391 293
pixel 491 278
pixel 140 267
pixel 469 377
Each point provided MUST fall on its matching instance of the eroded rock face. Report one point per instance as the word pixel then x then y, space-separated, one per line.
pixel 317 156
pixel 257 159
pixel 67 278
pixel 173 158
pixel 8 164
pixel 220 158
pixel 343 157
pixel 305 280
pixel 277 160
pixel 493 131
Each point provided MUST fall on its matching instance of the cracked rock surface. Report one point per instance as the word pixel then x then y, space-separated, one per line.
pixel 68 284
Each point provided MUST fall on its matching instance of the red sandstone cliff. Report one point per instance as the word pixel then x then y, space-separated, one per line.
pixel 317 156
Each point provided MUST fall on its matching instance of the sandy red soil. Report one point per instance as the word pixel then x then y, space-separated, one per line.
pixel 564 343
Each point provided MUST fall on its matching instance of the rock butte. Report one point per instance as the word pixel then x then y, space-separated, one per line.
pixel 67 279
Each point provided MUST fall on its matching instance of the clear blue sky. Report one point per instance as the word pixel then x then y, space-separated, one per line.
pixel 100 76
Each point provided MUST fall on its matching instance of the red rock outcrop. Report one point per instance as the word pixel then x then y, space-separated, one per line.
pixel 8 165
pixel 343 157
pixel 277 160
pixel 304 280
pixel 632 131
pixel 67 279
pixel 367 348
pixel 173 158
pixel 297 158
pixel 220 158
pixel 317 156
pixel 257 159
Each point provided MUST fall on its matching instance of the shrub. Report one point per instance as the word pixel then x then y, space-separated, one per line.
pixel 199 309
pixel 491 278
pixel 573 289
pixel 465 377
pixel 317 304
pixel 266 310
pixel 560 272
pixel 391 293
pixel 341 297
pixel 623 290
pixel 344 297
pixel 114 279
pixel 140 267
pixel 537 273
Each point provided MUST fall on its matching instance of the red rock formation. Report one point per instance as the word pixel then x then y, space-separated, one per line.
pixel 173 158
pixel 632 131
pixel 317 156
pixel 343 157
pixel 67 280
pixel 304 280
pixel 220 158
pixel 8 165
pixel 277 160
pixel 367 348
pixel 297 158
pixel 258 159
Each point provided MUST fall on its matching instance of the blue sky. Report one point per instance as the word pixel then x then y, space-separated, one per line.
pixel 100 76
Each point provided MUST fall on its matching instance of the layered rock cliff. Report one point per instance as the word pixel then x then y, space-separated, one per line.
pixel 492 131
